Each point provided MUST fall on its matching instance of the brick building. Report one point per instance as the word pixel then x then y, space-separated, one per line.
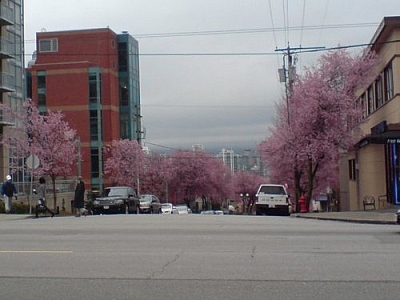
pixel 92 76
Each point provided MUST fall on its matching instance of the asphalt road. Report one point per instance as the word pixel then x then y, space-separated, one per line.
pixel 197 257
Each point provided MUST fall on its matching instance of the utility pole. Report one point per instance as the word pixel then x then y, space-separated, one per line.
pixel 287 75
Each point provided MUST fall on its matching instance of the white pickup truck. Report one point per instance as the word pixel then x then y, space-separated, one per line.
pixel 272 198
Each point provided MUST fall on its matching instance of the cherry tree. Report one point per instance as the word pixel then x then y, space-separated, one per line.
pixel 245 186
pixel 156 171
pixel 125 163
pixel 317 122
pixel 47 136
pixel 197 174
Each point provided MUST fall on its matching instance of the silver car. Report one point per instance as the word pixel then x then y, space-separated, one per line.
pixel 149 204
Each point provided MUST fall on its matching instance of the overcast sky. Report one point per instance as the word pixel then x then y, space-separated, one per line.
pixel 220 87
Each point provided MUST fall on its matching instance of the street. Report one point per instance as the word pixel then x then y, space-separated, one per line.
pixel 197 257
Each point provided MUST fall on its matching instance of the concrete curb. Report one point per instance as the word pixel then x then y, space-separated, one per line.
pixel 349 220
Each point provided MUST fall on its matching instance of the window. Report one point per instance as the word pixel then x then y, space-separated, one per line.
pixel 122 57
pixel 94 159
pixel 378 92
pixel 41 80
pixel 364 105
pixel 48 45
pixel 388 74
pixel 352 169
pixel 94 88
pixel 371 104
pixel 94 125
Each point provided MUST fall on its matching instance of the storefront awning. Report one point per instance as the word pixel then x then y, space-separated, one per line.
pixel 389 137
pixel 382 134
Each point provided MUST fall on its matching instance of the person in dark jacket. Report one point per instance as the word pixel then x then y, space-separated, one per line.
pixel 8 190
pixel 41 191
pixel 79 197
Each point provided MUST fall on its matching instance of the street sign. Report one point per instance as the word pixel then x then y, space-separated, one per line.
pixel 32 162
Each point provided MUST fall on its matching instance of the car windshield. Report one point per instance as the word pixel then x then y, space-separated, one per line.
pixel 166 205
pixel 273 190
pixel 117 192
pixel 183 207
pixel 145 198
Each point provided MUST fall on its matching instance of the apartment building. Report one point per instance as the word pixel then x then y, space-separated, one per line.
pixel 11 78
pixel 92 76
pixel 373 168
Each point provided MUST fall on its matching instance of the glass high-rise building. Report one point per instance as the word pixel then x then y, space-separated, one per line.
pixel 11 78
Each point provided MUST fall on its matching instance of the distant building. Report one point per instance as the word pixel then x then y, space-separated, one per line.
pixel 248 161
pixel 11 78
pixel 92 76
pixel 373 168
pixel 230 159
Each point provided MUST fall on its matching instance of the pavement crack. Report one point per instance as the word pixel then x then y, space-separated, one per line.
pixel 253 252
pixel 164 267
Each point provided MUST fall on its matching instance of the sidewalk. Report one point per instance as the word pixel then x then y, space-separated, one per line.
pixel 382 216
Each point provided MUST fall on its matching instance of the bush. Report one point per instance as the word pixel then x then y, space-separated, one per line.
pixel 16 207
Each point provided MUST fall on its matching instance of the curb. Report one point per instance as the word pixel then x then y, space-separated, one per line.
pixel 360 221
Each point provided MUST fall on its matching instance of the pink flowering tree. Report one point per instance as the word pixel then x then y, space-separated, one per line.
pixel 319 121
pixel 125 163
pixel 245 187
pixel 156 171
pixel 197 174
pixel 47 136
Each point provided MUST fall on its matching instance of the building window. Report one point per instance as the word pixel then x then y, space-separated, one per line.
pixel 122 57
pixel 352 169
pixel 94 88
pixel 48 45
pixel 370 96
pixel 364 105
pixel 94 160
pixel 388 73
pixel 94 125
pixel 41 80
pixel 378 92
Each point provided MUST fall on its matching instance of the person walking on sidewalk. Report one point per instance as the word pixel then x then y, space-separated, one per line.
pixel 8 190
pixel 79 197
pixel 41 191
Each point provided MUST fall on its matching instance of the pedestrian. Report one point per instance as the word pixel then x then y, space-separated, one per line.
pixel 8 190
pixel 79 197
pixel 41 191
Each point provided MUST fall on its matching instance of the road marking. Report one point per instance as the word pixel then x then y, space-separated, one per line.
pixel 37 251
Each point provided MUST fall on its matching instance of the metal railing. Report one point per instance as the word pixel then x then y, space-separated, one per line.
pixel 62 186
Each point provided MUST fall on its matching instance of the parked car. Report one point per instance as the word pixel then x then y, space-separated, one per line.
pixel 116 199
pixel 149 204
pixel 207 212
pixel 181 210
pixel 166 208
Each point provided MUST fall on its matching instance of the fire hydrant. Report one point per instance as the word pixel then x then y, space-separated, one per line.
pixel 303 205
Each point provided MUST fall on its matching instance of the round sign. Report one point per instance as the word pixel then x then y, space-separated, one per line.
pixel 32 162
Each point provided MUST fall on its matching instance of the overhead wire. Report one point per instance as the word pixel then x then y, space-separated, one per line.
pixel 323 21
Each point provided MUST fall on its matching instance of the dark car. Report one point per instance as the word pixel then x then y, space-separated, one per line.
pixel 116 199
pixel 150 204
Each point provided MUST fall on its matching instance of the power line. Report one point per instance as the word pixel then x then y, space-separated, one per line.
pixel 302 49
pixel 243 31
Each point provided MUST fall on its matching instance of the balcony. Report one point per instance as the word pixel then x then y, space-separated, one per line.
pixel 5 120
pixel 7 83
pixel 6 50
pixel 6 15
